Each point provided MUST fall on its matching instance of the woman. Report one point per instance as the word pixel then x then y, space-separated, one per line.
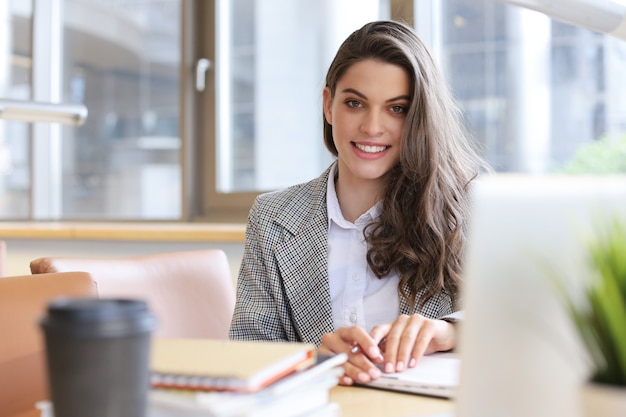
pixel 366 259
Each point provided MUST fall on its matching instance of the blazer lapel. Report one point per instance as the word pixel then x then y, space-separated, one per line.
pixel 303 263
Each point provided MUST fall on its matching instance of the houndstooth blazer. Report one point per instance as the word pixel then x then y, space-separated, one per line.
pixel 282 290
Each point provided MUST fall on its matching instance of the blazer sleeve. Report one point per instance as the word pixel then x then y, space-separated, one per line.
pixel 256 315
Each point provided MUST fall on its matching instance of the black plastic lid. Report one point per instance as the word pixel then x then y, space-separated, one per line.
pixel 97 317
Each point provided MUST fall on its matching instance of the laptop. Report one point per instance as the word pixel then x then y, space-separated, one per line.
pixel 518 352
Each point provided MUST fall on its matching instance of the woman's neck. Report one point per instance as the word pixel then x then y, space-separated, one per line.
pixel 356 196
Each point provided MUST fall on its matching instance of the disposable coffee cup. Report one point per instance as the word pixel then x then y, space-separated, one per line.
pixel 97 353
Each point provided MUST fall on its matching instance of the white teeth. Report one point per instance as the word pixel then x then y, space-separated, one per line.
pixel 369 148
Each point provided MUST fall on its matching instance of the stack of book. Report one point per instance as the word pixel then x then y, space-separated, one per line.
pixel 218 378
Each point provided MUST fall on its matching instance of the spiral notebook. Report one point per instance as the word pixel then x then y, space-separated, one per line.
pixel 225 365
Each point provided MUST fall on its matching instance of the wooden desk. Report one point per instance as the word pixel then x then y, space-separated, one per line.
pixel 369 402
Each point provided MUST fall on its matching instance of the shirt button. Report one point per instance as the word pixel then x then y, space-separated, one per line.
pixel 355 277
pixel 352 318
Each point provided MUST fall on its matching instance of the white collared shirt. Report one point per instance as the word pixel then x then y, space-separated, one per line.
pixel 358 297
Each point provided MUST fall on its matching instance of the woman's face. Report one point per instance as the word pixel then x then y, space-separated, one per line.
pixel 367 115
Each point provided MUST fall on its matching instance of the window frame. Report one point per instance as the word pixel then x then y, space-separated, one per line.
pixel 213 205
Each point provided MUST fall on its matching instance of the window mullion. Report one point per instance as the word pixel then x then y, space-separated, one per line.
pixel 427 18
pixel 47 87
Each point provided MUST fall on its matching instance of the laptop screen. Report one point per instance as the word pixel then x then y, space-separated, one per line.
pixel 520 355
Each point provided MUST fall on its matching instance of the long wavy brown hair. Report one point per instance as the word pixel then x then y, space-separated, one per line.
pixel 422 230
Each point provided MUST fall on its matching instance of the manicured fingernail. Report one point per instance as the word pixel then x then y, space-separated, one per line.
pixel 412 363
pixel 363 377
pixel 374 373
pixel 389 367
pixel 374 352
pixel 400 366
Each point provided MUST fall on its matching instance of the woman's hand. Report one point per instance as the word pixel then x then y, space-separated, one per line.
pixel 362 350
pixel 408 338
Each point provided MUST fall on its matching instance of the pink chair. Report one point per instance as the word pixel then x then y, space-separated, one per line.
pixel 192 293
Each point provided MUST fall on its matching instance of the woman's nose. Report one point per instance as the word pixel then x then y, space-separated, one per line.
pixel 372 124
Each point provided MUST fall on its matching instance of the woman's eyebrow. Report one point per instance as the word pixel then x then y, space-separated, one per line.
pixel 363 96
pixel 402 97
pixel 355 92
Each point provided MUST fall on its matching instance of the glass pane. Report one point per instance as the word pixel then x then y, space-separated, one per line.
pixel 540 95
pixel 15 83
pixel 272 59
pixel 122 60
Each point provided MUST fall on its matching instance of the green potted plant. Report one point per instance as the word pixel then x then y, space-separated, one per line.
pixel 600 318
pixel 603 156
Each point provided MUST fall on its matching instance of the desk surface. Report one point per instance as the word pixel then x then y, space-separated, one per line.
pixel 369 402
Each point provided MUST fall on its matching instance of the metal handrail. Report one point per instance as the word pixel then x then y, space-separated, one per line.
pixel 34 111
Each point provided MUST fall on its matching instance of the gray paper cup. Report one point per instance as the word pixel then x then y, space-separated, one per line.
pixel 97 353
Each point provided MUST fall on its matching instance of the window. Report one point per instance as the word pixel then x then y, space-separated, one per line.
pixel 535 90
pixel 15 83
pixel 197 106
pixel 271 59
pixel 122 60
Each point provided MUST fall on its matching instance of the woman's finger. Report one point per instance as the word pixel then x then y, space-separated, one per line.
pixel 392 343
pixel 379 333
pixel 363 353
pixel 360 369
pixel 423 339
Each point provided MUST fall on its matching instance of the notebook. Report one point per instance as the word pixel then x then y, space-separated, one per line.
pixel 225 365
pixel 435 375
pixel 294 394
pixel 520 355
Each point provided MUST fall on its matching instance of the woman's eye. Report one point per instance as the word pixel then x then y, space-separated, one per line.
pixel 353 103
pixel 398 109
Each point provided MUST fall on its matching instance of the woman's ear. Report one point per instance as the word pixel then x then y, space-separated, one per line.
pixel 328 101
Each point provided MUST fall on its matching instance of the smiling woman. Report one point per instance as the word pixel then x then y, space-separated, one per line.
pixel 371 249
